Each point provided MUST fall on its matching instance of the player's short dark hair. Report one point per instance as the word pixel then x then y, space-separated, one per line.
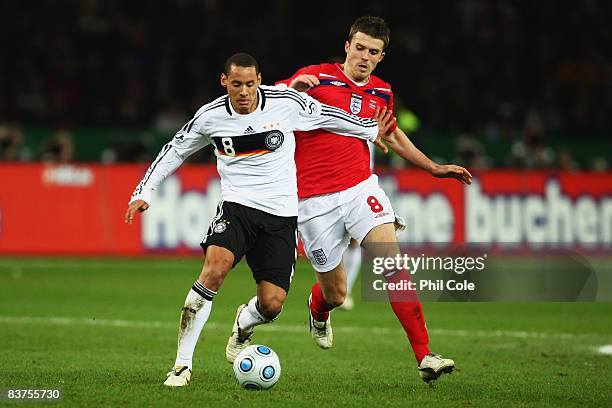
pixel 241 59
pixel 375 27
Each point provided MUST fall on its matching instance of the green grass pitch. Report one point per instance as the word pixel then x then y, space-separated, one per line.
pixel 104 331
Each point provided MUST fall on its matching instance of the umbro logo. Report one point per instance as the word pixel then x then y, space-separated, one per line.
pixel 249 130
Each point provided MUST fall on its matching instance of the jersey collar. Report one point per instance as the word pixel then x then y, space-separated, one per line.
pixel 340 68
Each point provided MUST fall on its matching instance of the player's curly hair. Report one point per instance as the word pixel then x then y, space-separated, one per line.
pixel 373 26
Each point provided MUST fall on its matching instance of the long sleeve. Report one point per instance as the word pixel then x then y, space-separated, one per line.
pixel 187 141
pixel 316 115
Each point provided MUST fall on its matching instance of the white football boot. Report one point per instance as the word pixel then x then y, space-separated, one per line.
pixel 434 365
pixel 238 340
pixel 180 376
pixel 321 332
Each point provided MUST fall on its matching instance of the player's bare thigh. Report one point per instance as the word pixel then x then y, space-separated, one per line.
pixel 333 285
pixel 381 241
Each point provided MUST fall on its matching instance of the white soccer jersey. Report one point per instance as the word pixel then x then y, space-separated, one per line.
pixel 254 151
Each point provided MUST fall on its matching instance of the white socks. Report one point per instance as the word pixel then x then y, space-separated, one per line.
pixel 251 317
pixel 352 262
pixel 194 315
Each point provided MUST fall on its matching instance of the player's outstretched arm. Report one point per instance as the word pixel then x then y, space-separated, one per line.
pixel 400 144
pixel 135 206
pixel 304 82
pixel 167 161
pixel 185 142
pixel 452 171
pixel 316 115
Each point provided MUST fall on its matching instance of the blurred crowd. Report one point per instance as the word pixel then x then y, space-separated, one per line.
pixel 519 72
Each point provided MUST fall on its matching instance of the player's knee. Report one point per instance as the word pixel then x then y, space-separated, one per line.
pixel 336 301
pixel 220 261
pixel 335 297
pixel 271 307
pixel 216 268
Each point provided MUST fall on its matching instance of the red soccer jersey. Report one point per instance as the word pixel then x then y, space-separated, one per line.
pixel 327 162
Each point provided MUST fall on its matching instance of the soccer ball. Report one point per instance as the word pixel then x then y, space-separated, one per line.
pixel 257 368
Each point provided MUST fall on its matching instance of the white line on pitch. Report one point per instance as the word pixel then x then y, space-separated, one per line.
pixel 607 349
pixel 152 324
pixel 49 264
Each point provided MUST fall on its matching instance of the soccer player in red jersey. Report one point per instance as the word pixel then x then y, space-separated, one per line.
pixel 340 197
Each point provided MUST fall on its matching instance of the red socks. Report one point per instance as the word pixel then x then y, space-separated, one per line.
pixel 410 315
pixel 405 305
pixel 318 307
pixel 409 312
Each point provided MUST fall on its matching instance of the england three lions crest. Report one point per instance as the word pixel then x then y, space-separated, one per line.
pixel 356 103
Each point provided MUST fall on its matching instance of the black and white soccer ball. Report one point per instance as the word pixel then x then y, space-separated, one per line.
pixel 257 367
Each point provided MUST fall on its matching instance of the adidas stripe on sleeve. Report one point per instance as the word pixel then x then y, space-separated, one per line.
pixel 188 140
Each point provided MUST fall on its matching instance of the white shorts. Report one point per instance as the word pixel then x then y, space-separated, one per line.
pixel 327 222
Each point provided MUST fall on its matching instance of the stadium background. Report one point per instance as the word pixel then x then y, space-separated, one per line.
pixel 488 85
pixel 518 92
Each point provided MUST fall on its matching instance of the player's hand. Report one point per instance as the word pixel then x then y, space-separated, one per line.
pixel 385 120
pixel 304 82
pixel 380 145
pixel 138 205
pixel 452 171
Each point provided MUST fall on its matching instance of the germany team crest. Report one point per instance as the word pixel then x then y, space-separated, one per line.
pixel 356 103
pixel 274 140
pixel 220 227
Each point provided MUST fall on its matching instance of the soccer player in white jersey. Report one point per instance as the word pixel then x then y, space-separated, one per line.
pixel 252 130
